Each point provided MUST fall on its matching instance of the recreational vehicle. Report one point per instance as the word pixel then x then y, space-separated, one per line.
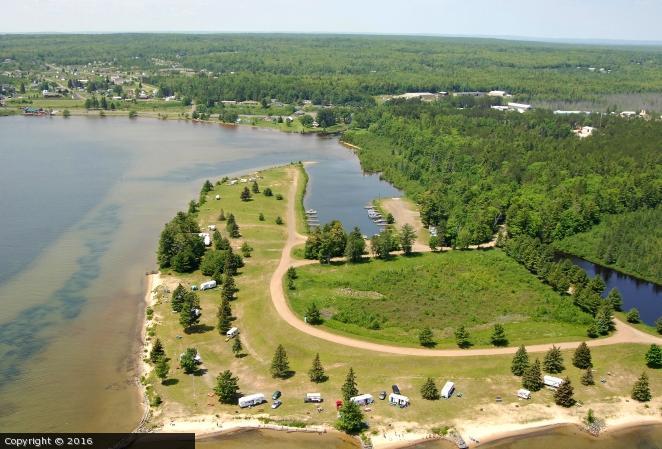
pixel 251 400
pixel 312 397
pixel 232 332
pixel 448 389
pixel 551 381
pixel 208 285
pixel 398 399
pixel 363 399
pixel 523 393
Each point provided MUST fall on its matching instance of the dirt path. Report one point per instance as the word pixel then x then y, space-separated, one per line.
pixel 622 334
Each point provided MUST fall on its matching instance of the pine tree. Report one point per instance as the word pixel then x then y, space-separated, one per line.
pixel 587 377
pixel 245 194
pixel 229 289
pixel 407 238
pixel 641 390
pixel 520 362
pixel 279 221
pixel 658 325
pixel 604 322
pixel 227 387
pixel 498 337
pixel 157 351
pixel 316 372
pixel 350 418
pixel 246 249
pixel 161 369
pixel 563 395
pixel 553 361
pixel 224 317
pixel 178 298
pixel 290 285
pixel 532 379
pixel 633 316
pixel 429 390
pixel 255 188
pixel 190 313
pixel 187 360
pixel 582 357
pixel 261 217
pixel 426 338
pixel 292 273
pixel 462 337
pixel 236 346
pixel 653 357
pixel 280 366
pixel 615 299
pixel 349 388
pixel 267 192
pixel 313 315
pixel 592 331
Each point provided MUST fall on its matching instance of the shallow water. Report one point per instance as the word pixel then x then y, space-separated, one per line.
pixel 83 201
pixel 277 440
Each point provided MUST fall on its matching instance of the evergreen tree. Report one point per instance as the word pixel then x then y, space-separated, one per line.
pixel 633 316
pixel 604 322
pixel 520 361
pixel 279 221
pixel 658 325
pixel 232 227
pixel 187 361
pixel 553 361
pixel 498 337
pixel 280 366
pixel 434 243
pixel 237 348
pixel 641 390
pixel 161 369
pixel 261 216
pixel 349 388
pixel 355 246
pixel 157 351
pixel 615 300
pixel 582 357
pixel 350 418
pixel 587 377
pixel 291 273
pixel 596 284
pixel 229 288
pixel 190 313
pixel 407 238
pixel 224 317
pixel 462 337
pixel 592 331
pixel 654 356
pixel 192 207
pixel 245 194
pixel 267 192
pixel 178 298
pixel 563 395
pixel 426 338
pixel 227 388
pixel 429 390
pixel 532 379
pixel 246 249
pixel 255 188
pixel 316 371
pixel 290 284
pixel 313 315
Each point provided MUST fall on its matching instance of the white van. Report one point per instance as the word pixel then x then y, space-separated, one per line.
pixel 232 332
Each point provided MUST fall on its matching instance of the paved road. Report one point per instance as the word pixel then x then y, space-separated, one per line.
pixel 623 333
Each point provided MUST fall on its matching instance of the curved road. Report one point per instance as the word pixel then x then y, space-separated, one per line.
pixel 622 334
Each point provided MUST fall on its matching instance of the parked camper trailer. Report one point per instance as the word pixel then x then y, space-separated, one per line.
pixel 232 332
pixel 363 399
pixel 313 397
pixel 251 400
pixel 523 393
pixel 398 399
pixel 551 381
pixel 211 227
pixel 448 389
pixel 208 285
pixel 218 197
pixel 205 238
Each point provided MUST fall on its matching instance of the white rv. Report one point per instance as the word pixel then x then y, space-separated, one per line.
pixel 313 397
pixel 398 399
pixel 208 285
pixel 205 238
pixel 232 332
pixel 523 393
pixel 363 399
pixel 251 400
pixel 551 381
pixel 448 389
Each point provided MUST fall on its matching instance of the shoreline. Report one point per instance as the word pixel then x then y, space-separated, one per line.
pixel 153 282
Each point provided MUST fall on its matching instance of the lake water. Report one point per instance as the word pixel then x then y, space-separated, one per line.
pixel 643 295
pixel 277 440
pixel 83 202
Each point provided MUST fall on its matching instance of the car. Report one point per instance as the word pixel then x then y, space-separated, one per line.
pixel 276 395
pixel 276 404
pixel 382 395
pixel 395 388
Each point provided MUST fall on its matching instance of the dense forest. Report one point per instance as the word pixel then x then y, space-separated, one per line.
pixel 474 169
pixel 347 69
pixel 632 242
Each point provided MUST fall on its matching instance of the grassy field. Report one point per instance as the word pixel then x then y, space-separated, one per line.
pixel 479 379
pixel 392 300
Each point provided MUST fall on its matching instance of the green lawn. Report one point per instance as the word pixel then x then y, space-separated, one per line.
pixel 392 300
